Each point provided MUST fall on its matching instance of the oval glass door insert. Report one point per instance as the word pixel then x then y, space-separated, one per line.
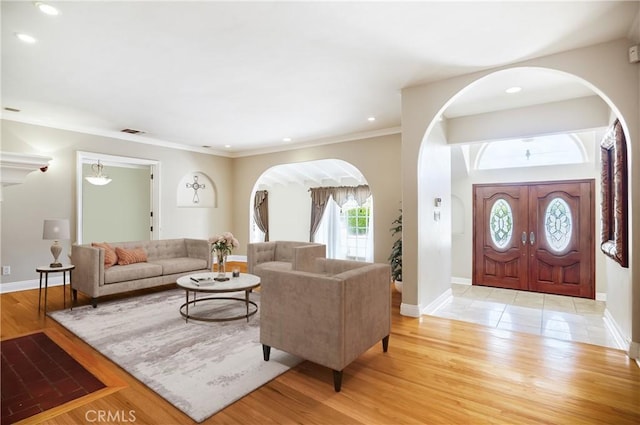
pixel 501 223
pixel 558 224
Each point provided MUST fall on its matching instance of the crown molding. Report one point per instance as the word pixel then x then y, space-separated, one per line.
pixel 319 142
pixel 209 151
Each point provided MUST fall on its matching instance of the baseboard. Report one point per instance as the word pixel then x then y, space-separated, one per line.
pixel 237 258
pixel 410 310
pixel 438 302
pixel 621 341
pixel 25 285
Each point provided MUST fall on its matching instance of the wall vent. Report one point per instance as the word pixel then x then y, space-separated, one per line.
pixel 132 131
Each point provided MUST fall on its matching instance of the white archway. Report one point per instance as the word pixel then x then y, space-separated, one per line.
pixel 418 134
pixel 289 201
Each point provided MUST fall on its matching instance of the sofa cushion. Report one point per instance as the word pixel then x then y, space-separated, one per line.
pixel 120 273
pixel 165 249
pixel 180 265
pixel 110 256
pixel 131 256
pixel 272 265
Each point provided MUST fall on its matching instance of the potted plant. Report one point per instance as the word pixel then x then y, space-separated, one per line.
pixel 395 258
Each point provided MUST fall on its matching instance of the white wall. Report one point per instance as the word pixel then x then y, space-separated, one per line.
pixel 289 212
pixel 434 257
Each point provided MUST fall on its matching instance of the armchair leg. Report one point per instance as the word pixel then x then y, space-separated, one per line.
pixel 337 380
pixel 266 352
pixel 385 343
pixel 94 302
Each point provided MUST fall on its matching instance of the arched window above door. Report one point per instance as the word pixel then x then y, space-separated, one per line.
pixel 555 149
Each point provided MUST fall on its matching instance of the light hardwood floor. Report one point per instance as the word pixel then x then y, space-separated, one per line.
pixel 437 371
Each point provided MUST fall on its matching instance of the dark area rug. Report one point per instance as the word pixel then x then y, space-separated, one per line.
pixel 38 375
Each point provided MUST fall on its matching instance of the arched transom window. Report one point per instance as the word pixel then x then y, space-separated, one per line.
pixel 545 150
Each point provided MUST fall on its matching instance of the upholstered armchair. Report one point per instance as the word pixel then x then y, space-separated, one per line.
pixel 294 255
pixel 330 315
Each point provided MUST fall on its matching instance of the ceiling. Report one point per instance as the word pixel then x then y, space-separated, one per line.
pixel 320 173
pixel 240 77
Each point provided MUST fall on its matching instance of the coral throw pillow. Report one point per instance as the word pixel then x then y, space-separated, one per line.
pixel 110 256
pixel 130 256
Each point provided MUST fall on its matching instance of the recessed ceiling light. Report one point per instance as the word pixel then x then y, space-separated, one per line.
pixel 371 119
pixel 227 146
pixel 514 89
pixel 47 9
pixel 286 139
pixel 26 38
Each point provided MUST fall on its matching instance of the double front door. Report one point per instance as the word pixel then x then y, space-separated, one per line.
pixel 535 237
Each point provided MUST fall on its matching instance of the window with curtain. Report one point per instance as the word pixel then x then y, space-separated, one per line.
pixel 347 231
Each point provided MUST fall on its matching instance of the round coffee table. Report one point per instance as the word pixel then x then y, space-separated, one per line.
pixel 204 282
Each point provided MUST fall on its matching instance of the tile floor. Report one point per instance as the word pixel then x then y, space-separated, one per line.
pixel 560 317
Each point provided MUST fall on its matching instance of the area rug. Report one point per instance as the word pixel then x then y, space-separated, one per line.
pixel 38 375
pixel 199 367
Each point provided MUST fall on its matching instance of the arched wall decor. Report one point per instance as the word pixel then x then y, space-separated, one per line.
pixel 196 190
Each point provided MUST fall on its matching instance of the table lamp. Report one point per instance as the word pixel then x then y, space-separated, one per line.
pixel 55 230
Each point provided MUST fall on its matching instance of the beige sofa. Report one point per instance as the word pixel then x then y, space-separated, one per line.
pixel 330 315
pixel 167 260
pixel 285 255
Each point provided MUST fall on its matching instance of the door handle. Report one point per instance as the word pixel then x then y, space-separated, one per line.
pixel 532 238
pixel 524 238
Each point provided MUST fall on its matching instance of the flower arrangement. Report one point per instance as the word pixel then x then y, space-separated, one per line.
pixel 223 244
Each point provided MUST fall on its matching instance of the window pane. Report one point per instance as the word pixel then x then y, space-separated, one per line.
pixel 356 220
pixel 501 223
pixel 557 224
pixel 547 150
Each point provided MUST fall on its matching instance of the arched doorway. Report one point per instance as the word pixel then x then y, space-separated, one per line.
pixel 346 224
pixel 429 290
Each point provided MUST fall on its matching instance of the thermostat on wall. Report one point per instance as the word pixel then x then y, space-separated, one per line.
pixel 634 54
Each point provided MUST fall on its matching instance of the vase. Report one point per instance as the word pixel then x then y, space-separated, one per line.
pixel 398 285
pixel 222 263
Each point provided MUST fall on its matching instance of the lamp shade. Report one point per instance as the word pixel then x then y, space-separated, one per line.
pixel 56 229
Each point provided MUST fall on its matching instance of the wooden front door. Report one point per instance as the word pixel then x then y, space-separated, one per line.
pixel 535 237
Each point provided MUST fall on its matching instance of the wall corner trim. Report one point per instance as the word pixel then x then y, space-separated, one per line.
pixel 438 302
pixel 622 342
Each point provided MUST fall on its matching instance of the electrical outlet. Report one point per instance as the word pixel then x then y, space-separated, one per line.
pixel 6 270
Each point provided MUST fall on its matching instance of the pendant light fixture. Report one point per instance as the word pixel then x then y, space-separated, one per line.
pixel 98 178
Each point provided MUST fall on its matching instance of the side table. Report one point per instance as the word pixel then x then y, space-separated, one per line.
pixel 46 270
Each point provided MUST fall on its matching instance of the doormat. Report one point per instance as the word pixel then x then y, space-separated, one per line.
pixel 38 375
